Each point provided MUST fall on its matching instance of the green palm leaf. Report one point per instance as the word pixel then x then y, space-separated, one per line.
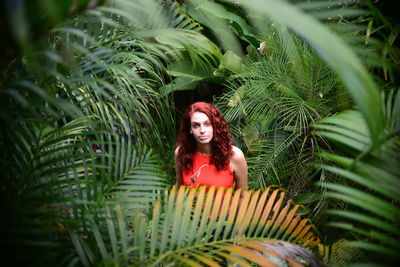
pixel 372 186
pixel 202 226
pixel 83 95
pixel 331 49
pixel 272 106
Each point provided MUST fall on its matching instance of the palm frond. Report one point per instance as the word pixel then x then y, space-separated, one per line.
pixel 321 40
pixel 340 253
pixel 274 103
pixel 372 186
pixel 203 226
pixel 72 120
pixel 141 184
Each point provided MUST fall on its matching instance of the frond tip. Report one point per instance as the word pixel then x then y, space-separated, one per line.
pixel 278 253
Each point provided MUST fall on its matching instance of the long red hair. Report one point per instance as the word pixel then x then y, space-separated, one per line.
pixel 221 142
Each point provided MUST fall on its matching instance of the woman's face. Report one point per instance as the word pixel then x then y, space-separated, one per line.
pixel 201 128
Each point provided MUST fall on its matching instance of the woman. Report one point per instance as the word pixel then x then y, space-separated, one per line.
pixel 205 154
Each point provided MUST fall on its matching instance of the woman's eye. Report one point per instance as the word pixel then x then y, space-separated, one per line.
pixel 207 123
pixel 195 125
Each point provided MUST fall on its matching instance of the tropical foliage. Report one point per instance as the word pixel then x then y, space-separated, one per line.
pixel 88 124
pixel 371 178
pixel 197 226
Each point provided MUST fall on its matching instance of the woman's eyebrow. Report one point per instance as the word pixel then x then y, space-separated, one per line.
pixel 200 121
pixel 197 122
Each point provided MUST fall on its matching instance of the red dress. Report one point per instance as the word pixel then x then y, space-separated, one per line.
pixel 204 173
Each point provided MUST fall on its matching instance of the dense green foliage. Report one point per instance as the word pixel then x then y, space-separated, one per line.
pixel 88 126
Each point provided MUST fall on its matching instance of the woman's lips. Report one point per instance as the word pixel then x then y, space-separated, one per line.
pixel 203 137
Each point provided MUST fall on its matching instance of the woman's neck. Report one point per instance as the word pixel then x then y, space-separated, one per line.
pixel 205 150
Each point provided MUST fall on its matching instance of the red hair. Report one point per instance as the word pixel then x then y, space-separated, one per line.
pixel 221 142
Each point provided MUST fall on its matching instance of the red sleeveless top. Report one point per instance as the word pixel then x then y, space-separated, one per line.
pixel 204 173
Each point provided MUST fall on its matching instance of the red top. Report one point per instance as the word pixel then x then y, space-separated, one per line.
pixel 204 173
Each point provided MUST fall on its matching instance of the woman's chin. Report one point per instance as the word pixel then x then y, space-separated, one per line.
pixel 203 142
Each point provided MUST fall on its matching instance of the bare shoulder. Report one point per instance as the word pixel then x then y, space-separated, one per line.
pixel 176 151
pixel 239 166
pixel 237 154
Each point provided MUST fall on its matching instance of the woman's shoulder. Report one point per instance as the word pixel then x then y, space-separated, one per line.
pixel 237 154
pixel 176 151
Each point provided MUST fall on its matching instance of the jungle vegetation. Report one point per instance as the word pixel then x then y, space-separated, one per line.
pixel 91 97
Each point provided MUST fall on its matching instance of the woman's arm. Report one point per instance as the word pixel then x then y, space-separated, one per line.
pixel 178 170
pixel 239 166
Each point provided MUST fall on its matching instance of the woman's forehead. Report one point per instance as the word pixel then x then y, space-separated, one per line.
pixel 199 117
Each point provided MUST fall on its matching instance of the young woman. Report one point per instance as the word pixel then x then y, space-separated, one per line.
pixel 205 154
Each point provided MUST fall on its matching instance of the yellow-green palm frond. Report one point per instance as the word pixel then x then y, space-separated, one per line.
pixel 204 226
